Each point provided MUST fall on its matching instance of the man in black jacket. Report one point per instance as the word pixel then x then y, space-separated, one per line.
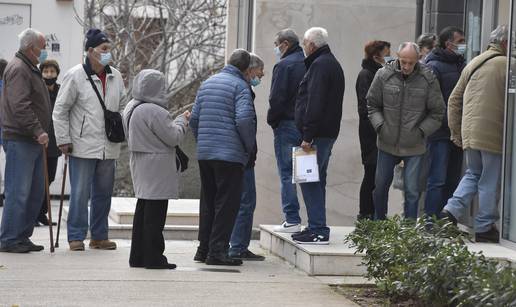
pixel 286 76
pixel 445 158
pixel 318 114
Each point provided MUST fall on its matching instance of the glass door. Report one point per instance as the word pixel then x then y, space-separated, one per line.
pixel 473 28
pixel 509 167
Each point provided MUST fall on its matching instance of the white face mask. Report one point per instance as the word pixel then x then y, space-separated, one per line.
pixel 277 53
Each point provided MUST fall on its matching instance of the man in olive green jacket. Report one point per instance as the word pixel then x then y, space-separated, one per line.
pixel 476 117
pixel 405 106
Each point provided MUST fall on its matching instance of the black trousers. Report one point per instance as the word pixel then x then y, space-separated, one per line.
pixel 52 168
pixel 221 188
pixel 366 191
pixel 147 242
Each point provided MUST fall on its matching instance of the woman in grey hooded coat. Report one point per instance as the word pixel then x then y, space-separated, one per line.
pixel 152 134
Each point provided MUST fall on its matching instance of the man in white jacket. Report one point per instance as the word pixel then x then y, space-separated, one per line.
pixel 80 133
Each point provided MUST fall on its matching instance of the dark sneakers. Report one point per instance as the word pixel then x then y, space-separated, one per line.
pixel 247 255
pixel 490 236
pixel 18 248
pixel 222 259
pixel 311 238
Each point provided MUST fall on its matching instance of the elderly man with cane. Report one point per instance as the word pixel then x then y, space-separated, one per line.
pixel 25 110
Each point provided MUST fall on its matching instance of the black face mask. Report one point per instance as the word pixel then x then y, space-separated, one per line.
pixel 51 81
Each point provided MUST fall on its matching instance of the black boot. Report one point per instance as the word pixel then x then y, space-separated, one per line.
pixel 490 236
pixel 222 259
pixel 200 255
pixel 42 218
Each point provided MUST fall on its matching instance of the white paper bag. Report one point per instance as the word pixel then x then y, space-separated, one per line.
pixel 304 165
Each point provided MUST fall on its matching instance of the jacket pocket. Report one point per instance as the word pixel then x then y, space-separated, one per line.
pixel 82 125
pixel 411 138
pixel 388 134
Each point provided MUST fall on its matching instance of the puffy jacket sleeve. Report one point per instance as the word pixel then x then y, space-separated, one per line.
pixel 278 97
pixel 316 102
pixel 436 109
pixel 455 103
pixel 169 131
pixel 245 119
pixel 61 115
pixel 20 101
pixel 375 102
pixel 194 117
pixel 364 81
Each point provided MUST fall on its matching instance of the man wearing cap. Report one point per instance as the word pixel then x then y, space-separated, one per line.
pixel 80 133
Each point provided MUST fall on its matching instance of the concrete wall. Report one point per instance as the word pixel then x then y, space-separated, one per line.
pixel 350 23
pixel 56 19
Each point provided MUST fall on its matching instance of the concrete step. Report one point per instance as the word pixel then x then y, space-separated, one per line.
pixel 180 211
pixel 339 259
pixel 335 259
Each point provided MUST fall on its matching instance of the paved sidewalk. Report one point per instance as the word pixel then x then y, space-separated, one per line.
pixel 103 278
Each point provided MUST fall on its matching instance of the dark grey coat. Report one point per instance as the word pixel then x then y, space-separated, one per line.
pixel 404 111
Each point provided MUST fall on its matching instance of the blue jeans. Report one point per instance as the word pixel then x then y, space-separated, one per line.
pixel 383 180
pixel 90 179
pixel 242 230
pixel 314 193
pixel 24 191
pixel 482 176
pixel 287 136
pixel 444 170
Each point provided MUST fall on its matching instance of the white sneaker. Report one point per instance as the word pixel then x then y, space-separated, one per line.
pixel 287 227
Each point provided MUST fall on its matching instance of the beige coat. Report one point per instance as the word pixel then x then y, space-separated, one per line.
pixel 476 109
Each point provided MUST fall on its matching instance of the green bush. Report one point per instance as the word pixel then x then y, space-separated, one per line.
pixel 429 261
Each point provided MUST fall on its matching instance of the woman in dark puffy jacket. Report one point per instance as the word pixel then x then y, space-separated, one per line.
pixel 377 53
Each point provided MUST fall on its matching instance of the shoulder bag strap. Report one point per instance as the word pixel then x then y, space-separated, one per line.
pixel 94 88
pixel 483 62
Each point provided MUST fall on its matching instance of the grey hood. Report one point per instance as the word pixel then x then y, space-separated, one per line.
pixel 149 86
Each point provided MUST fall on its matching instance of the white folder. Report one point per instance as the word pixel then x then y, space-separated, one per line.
pixel 304 165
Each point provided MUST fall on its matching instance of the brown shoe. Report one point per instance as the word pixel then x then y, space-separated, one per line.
pixel 102 244
pixel 76 245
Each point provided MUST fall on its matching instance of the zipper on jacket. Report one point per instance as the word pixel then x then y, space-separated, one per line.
pixel 401 114
pixel 82 125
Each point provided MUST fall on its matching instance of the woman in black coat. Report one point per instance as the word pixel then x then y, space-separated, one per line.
pixel 377 53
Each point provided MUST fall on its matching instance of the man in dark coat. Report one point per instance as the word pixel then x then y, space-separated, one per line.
pixel 286 76
pixel 377 53
pixel 318 115
pixel 445 158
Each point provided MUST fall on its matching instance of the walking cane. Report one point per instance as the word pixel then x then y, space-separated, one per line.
pixel 62 198
pixel 47 194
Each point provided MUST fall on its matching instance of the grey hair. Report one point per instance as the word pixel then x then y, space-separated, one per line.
pixel 316 35
pixel 29 37
pixel 411 44
pixel 499 35
pixel 256 61
pixel 288 35
pixel 240 58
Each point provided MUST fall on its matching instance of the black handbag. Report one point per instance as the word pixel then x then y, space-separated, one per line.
pixel 112 120
pixel 181 158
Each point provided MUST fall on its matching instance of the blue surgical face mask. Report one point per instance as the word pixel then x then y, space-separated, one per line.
pixel 387 59
pixel 255 81
pixel 461 49
pixel 277 53
pixel 105 58
pixel 42 56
